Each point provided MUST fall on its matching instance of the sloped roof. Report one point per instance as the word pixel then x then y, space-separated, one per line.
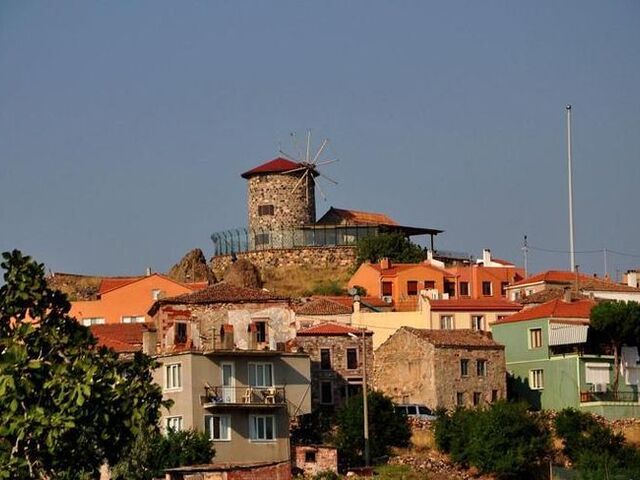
pixel 602 285
pixel 220 293
pixel 474 304
pixel 329 328
pixel 399 267
pixel 121 337
pixel 454 338
pixel 547 295
pixel 553 276
pixel 357 217
pixel 277 165
pixel 557 308
pixel 111 283
pixel 324 306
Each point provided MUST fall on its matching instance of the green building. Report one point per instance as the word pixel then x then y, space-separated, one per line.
pixel 554 364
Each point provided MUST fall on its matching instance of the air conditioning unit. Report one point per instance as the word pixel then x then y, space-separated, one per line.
pixel 387 299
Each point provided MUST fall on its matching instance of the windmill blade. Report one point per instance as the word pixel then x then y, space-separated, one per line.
pixel 297 169
pixel 324 197
pixel 327 162
pixel 317 155
pixel 299 181
pixel 306 158
pixel 330 179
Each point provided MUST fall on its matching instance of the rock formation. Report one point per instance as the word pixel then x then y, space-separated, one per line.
pixel 192 268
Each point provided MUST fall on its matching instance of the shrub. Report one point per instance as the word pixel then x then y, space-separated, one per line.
pixel 394 246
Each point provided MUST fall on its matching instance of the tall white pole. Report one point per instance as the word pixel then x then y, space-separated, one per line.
pixel 571 246
pixel 365 401
pixel 525 249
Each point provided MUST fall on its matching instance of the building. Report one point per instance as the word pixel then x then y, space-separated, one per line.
pixel 441 368
pixel 324 309
pixel 128 299
pixel 337 361
pixel 555 363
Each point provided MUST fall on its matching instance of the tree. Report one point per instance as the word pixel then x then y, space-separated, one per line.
pixel 618 323
pixel 387 428
pixel 394 246
pixel 66 406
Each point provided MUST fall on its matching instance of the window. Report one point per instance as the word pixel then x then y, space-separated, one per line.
pixel 262 427
pixel 217 427
pixel 460 399
pixel 486 289
pixel 464 367
pixel 173 423
pixel 429 284
pixel 265 210
pixel 450 288
pixel 495 395
pixel 180 332
pixel 412 287
pixel 325 359
pixel 503 288
pixel 387 289
pixel 326 393
pixel 536 379
pixel 155 294
pixel 310 456
pixel 92 321
pixel 262 239
pixel 477 322
pixel 446 322
pixel 535 337
pixel 597 373
pixel 481 368
pixel 261 374
pixel 464 289
pixel 173 376
pixel 133 319
pixel 261 332
pixel 352 358
pixel 477 398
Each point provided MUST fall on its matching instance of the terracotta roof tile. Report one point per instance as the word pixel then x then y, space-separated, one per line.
pixel 121 337
pixel 331 329
pixel 546 295
pixel 556 308
pixel 111 283
pixel 471 304
pixel 357 217
pixel 324 306
pixel 553 276
pixel 277 165
pixel 454 338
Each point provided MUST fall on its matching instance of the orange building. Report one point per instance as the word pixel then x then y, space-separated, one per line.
pixel 401 283
pixel 128 299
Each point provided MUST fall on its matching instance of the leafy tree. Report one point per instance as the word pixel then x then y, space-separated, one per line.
pixel 394 246
pixel 314 428
pixel 152 453
pixel 387 428
pixel 618 323
pixel 66 406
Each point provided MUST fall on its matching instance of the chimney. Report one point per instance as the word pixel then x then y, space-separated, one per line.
pixel 226 337
pixel 385 263
pixel 632 278
pixel 486 256
pixel 149 342
pixel 148 272
pixel 567 295
pixel 429 255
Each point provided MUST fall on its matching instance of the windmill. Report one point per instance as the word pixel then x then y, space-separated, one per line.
pixel 309 163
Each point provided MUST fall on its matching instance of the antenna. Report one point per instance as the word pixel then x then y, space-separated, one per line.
pixel 525 251
pixel 572 253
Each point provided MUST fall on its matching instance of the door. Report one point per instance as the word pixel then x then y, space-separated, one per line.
pixel 228 383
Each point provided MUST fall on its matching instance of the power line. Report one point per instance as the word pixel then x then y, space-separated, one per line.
pixel 600 250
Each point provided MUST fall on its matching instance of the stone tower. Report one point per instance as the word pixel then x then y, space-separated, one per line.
pixel 277 196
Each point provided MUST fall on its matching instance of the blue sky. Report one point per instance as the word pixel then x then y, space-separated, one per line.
pixel 124 126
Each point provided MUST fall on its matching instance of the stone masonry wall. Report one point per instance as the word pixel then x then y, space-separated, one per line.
pixel 343 256
pixel 291 208
pixel 326 459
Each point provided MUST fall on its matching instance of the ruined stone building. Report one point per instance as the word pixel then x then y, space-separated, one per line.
pixel 441 368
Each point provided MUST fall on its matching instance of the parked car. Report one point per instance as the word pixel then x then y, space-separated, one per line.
pixel 412 410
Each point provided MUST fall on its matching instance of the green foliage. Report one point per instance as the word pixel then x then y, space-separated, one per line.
pixel 326 475
pixel 67 406
pixel 503 440
pixel 314 428
pixel 594 448
pixel 394 246
pixel 152 453
pixel 387 428
pixel 326 287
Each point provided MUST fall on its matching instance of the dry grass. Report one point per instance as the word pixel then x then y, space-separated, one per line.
pixel 307 280
pixel 423 440
pixel 632 434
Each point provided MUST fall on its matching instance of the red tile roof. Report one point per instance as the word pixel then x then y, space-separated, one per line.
pixel 546 295
pixel 356 217
pixel 399 267
pixel 277 165
pixel 324 306
pixel 220 293
pixel 331 329
pixel 557 308
pixel 347 301
pixel 111 283
pixel 553 276
pixel 471 304
pixel 454 338
pixel 121 337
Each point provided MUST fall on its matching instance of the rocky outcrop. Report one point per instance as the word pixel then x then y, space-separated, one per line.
pixel 192 268
pixel 243 273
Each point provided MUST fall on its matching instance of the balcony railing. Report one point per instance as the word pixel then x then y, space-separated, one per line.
pixel 608 397
pixel 243 396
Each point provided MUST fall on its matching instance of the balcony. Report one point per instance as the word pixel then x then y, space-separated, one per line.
pixel 243 397
pixel 629 397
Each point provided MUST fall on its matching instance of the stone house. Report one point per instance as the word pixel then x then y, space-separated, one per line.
pixel 337 362
pixel 441 368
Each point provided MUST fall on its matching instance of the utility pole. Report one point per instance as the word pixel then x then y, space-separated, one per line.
pixel 606 270
pixel 525 251
pixel 572 254
pixel 364 398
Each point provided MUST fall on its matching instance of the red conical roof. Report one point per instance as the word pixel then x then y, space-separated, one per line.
pixel 277 165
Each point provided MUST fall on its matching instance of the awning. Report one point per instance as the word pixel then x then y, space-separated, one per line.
pixel 567 334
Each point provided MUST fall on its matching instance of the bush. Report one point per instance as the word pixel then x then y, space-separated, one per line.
pixel 313 428
pixel 394 246
pixel 326 475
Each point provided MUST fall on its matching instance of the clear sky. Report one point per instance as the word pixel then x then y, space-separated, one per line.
pixel 124 126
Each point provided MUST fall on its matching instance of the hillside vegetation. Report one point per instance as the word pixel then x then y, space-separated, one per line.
pixel 307 280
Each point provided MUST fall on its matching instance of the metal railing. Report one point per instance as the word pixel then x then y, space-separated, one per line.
pixel 608 397
pixel 221 395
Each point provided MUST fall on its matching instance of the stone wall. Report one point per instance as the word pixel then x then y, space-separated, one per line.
pixel 275 471
pixel 343 256
pixel 313 459
pixel 294 204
